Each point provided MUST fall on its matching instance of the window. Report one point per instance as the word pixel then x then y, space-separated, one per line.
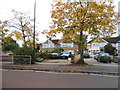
pixel 66 45
pixel 48 46
pixel 63 45
pixel 44 45
pixel 70 45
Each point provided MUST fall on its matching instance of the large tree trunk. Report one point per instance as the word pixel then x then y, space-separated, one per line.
pixel 81 47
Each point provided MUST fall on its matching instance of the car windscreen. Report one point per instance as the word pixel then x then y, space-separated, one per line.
pixel 105 54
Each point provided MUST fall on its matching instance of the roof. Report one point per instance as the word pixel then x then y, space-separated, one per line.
pixel 113 39
pixel 110 40
pixel 56 41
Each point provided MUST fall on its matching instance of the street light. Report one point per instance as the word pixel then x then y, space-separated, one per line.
pixel 34 32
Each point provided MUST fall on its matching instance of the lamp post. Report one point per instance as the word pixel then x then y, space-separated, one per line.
pixel 34 32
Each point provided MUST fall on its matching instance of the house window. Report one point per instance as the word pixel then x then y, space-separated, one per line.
pixel 44 45
pixel 66 45
pixel 70 45
pixel 63 45
pixel 48 46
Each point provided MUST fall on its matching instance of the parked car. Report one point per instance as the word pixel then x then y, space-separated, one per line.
pixel 86 55
pixel 103 57
pixel 65 55
pixel 117 56
pixel 97 54
pixel 55 56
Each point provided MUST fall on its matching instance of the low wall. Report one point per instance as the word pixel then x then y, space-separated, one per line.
pixel 6 58
pixel 76 58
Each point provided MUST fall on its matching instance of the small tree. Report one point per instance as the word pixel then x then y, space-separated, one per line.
pixel 22 25
pixel 109 49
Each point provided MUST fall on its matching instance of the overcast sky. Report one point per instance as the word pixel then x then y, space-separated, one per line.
pixel 42 11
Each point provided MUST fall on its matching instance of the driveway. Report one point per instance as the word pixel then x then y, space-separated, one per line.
pixel 92 61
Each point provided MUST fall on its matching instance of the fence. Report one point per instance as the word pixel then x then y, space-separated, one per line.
pixel 21 59
pixel 16 59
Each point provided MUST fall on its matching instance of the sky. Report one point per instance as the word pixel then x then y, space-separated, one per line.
pixel 43 8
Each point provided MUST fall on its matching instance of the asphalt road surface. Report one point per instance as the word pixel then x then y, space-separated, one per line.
pixel 32 79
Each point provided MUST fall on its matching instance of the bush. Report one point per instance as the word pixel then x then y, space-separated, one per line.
pixel 43 53
pixel 116 60
pixel 24 51
pixel 39 59
pixel 109 49
pixel 59 50
pixel 21 60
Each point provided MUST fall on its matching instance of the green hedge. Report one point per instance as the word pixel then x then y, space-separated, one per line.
pixel 116 60
pixel 43 53
pixel 21 60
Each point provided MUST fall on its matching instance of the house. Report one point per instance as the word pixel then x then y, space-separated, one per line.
pixel 115 41
pixel 96 46
pixel 50 45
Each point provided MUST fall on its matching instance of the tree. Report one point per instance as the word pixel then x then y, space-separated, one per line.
pixel 5 34
pixel 23 28
pixel 109 49
pixel 10 45
pixel 77 19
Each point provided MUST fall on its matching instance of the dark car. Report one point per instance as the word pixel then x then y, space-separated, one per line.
pixel 86 55
pixel 66 55
pixel 55 56
pixel 103 57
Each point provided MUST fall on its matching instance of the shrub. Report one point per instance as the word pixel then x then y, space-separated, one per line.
pixel 116 60
pixel 43 53
pixel 24 51
pixel 109 49
pixel 21 60
pixel 58 50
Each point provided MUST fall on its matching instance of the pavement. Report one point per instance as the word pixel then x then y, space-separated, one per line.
pixel 65 66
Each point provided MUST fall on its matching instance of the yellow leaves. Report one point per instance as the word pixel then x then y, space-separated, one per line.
pixel 52 31
pixel 57 0
pixel 18 35
pixel 95 18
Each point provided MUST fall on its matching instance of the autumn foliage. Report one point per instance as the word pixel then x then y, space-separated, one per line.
pixel 76 19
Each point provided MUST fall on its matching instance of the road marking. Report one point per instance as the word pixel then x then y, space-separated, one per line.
pixel 50 72
pixel 18 70
pixel 106 65
pixel 77 74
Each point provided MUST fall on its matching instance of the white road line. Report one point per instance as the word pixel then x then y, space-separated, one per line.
pixel 77 74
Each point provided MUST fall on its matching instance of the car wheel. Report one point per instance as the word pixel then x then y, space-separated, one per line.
pixel 98 60
pixel 63 57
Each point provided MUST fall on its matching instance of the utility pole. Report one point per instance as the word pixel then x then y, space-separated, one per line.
pixel 34 32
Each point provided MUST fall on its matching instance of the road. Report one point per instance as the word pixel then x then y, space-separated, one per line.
pixel 32 79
